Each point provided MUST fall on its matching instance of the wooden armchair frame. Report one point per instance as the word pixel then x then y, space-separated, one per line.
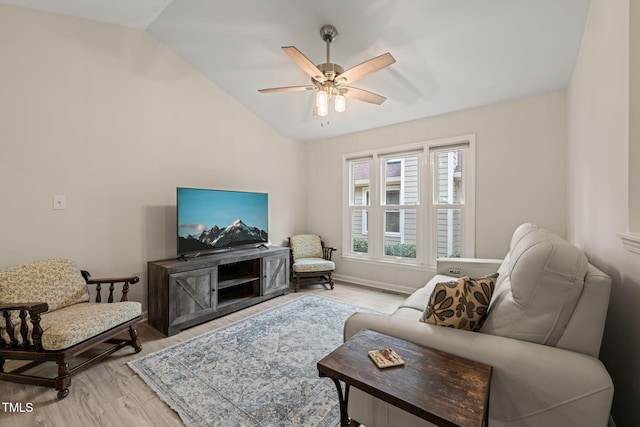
pixel 324 277
pixel 34 351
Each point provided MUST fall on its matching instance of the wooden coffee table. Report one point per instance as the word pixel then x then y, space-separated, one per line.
pixel 441 388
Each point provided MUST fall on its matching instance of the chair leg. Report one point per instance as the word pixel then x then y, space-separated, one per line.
pixel 297 286
pixel 63 380
pixel 331 281
pixel 135 340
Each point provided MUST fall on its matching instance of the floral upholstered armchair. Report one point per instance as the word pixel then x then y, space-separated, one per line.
pixel 47 316
pixel 310 258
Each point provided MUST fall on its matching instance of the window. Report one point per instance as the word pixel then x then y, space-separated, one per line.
pixel 412 205
pixel 359 172
pixel 448 203
pixel 392 198
pixel 400 190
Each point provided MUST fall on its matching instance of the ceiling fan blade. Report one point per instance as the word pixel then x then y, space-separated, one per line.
pixel 304 63
pixel 287 89
pixel 363 95
pixel 371 66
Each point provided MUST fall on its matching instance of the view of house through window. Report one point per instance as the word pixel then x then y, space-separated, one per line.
pixel 400 183
pixel 410 206
pixel 359 191
pixel 449 202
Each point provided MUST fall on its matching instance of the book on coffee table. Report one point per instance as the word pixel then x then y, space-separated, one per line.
pixel 386 358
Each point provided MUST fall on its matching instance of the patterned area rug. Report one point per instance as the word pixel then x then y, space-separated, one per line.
pixel 260 371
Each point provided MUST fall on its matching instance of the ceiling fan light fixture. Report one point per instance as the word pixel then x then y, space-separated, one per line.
pixel 322 98
pixel 340 103
pixel 323 110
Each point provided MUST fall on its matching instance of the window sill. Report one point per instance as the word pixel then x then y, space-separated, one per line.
pixel 631 241
pixel 390 263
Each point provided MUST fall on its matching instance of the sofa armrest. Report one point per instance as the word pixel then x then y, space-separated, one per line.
pixel 528 379
pixel 126 281
pixel 327 252
pixel 472 267
pixel 39 307
pixel 33 310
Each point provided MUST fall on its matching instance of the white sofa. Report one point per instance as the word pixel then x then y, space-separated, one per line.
pixel 542 336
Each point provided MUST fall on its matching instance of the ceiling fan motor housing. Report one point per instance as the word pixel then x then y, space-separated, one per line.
pixel 330 70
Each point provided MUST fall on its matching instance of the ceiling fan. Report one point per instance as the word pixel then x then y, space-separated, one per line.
pixel 330 80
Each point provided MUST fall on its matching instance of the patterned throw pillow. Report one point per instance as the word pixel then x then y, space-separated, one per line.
pixel 460 304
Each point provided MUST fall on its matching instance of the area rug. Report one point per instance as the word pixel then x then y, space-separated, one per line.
pixel 259 371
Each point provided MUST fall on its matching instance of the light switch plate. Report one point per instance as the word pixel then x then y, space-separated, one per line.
pixel 59 202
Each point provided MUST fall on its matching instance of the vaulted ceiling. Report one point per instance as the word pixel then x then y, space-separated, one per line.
pixel 450 54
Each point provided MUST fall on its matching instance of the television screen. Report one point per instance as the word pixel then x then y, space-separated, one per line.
pixel 210 220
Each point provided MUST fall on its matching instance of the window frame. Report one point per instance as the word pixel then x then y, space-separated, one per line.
pixel 426 208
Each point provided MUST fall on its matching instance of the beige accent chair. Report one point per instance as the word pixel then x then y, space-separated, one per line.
pixel 310 258
pixel 542 336
pixel 47 316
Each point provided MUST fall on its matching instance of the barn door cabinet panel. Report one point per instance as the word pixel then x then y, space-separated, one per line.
pixel 191 296
pixel 184 293
pixel 276 274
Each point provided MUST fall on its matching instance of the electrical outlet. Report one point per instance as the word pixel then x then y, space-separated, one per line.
pixel 59 202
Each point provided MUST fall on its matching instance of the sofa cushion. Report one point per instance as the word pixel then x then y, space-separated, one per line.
pixel 460 304
pixel 306 246
pixel 73 324
pixel 58 282
pixel 419 299
pixel 539 285
pixel 310 265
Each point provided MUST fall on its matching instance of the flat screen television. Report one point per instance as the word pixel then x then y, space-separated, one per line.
pixel 215 220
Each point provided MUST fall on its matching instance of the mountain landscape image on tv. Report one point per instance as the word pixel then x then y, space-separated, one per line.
pixel 210 220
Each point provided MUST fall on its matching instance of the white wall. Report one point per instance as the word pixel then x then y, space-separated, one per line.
pixel 520 176
pixel 634 111
pixel 115 121
pixel 598 185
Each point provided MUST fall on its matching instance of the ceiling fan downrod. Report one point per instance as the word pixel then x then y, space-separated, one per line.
pixel 330 70
pixel 328 34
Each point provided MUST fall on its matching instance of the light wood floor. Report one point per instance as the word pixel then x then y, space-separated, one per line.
pixel 111 394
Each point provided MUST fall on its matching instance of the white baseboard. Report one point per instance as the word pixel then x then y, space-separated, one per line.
pixel 384 286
